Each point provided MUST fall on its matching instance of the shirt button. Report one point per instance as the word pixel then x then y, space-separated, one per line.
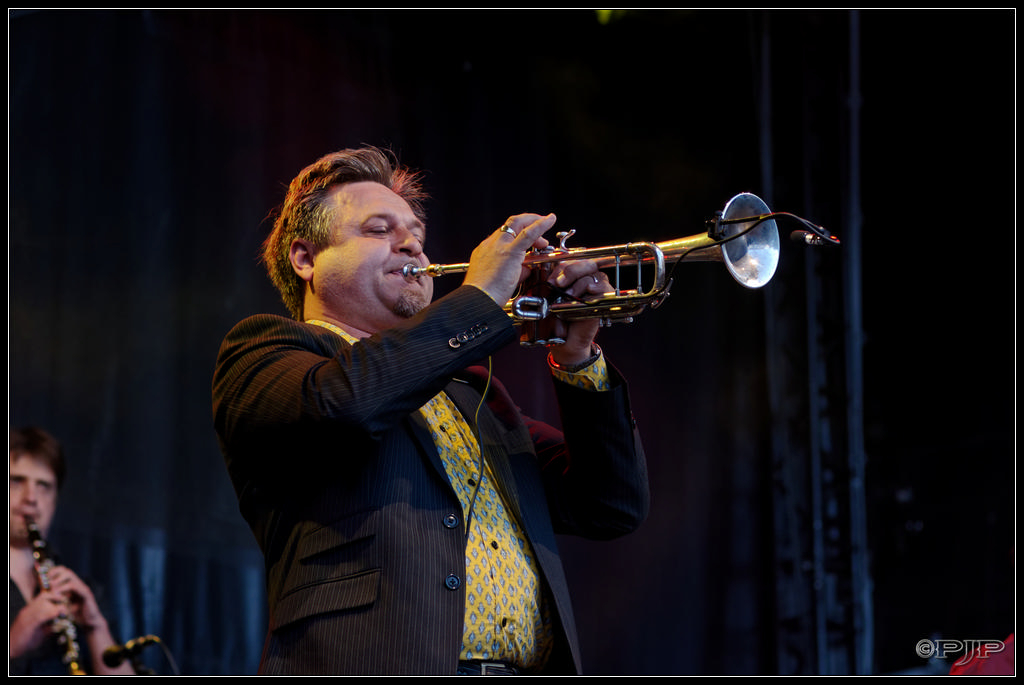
pixel 452 582
pixel 451 521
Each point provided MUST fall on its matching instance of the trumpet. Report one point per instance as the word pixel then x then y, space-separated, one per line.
pixel 743 236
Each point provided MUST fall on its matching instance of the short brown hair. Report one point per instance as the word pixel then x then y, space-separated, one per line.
pixel 39 445
pixel 304 215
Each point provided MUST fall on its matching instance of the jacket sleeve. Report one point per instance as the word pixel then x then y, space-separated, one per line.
pixel 594 470
pixel 597 482
pixel 274 372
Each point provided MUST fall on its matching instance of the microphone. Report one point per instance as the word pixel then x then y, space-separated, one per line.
pixel 116 655
pixel 810 238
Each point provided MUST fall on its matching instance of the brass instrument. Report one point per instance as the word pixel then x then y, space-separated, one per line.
pixel 743 236
pixel 63 626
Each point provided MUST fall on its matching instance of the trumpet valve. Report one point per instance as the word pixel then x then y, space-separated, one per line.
pixel 563 236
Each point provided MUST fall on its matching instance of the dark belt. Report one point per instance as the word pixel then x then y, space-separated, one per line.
pixel 477 667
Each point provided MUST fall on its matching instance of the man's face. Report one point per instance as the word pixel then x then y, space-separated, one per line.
pixel 33 495
pixel 358 278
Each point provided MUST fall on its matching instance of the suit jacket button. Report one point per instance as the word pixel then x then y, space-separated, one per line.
pixel 452 582
pixel 451 521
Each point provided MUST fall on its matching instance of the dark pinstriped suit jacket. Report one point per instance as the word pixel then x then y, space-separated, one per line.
pixel 338 477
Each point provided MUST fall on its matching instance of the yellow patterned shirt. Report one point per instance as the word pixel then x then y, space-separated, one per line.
pixel 506 616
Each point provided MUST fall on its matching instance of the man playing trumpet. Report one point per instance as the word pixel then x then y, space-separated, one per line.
pixel 406 509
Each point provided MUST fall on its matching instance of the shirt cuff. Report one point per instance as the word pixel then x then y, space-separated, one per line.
pixel 589 375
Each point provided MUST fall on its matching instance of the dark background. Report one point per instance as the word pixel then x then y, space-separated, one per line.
pixel 858 409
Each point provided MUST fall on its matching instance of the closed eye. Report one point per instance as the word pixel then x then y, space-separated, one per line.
pixel 385 230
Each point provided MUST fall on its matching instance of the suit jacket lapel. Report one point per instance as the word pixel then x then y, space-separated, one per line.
pixel 465 398
pixel 503 449
pixel 421 433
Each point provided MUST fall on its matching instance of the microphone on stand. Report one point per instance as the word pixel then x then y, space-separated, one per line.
pixel 116 655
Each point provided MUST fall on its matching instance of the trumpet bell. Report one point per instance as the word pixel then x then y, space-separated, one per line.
pixel 752 257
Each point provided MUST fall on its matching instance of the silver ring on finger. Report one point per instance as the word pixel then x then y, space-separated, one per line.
pixel 506 229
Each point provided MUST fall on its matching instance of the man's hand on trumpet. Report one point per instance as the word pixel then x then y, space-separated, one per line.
pixel 579 280
pixel 496 265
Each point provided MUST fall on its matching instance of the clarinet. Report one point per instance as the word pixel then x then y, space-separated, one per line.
pixel 63 626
